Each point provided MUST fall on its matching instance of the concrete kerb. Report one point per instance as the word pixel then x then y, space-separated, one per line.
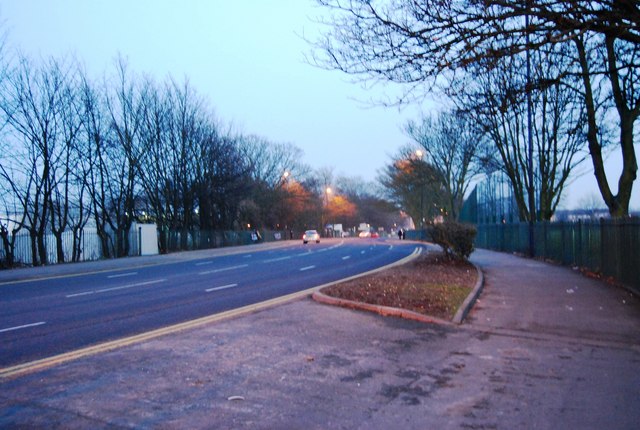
pixel 462 312
pixel 382 310
pixel 468 303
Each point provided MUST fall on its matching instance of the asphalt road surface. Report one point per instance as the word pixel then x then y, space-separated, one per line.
pixel 55 314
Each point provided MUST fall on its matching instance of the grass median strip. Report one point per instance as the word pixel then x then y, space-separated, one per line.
pixel 430 285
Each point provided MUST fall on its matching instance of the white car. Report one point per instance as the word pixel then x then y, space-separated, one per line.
pixel 310 235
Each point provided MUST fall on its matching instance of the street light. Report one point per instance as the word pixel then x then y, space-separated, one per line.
pixel 285 183
pixel 327 191
pixel 419 154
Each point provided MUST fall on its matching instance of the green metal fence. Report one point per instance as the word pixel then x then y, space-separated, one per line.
pixel 175 240
pixel 168 240
pixel 610 247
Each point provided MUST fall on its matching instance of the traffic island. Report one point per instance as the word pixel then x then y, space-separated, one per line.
pixel 431 288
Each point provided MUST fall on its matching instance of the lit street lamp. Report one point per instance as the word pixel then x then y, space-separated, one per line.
pixel 327 191
pixel 419 154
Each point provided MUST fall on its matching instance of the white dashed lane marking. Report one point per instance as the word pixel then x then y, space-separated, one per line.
pixel 122 275
pixel 222 287
pixel 122 287
pixel 20 327
pixel 224 269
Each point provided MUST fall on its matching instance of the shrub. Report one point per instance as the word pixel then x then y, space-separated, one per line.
pixel 455 239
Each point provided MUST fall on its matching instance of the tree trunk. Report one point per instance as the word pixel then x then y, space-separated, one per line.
pixel 618 205
pixel 59 247
pixel 8 247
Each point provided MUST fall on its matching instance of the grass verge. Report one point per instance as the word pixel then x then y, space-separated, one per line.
pixel 430 285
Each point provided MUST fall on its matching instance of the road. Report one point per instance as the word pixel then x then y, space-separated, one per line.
pixel 55 314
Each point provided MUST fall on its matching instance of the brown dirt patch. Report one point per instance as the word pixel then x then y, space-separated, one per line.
pixel 430 285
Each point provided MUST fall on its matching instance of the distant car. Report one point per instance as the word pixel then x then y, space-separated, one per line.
pixel 375 235
pixel 310 236
pixel 364 234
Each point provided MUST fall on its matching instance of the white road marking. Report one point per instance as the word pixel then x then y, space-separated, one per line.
pixel 22 369
pixel 362 252
pixel 248 256
pixel 346 257
pixel 203 263
pixel 277 259
pixel 224 269
pixel 122 287
pixel 22 326
pixel 121 275
pixel 223 287
pixel 307 268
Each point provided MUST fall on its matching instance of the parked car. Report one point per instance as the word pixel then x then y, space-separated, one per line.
pixel 364 234
pixel 375 235
pixel 310 235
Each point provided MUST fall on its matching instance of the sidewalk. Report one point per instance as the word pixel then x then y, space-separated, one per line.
pixel 544 347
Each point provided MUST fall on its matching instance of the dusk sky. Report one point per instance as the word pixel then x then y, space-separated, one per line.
pixel 247 58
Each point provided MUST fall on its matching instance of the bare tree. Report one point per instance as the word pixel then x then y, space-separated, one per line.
pixel 186 132
pixel 66 202
pixel 420 42
pixel 13 209
pixel 268 161
pixel 94 163
pixel 158 160
pixel 33 105
pixel 122 149
pixel 271 166
pixel 498 104
pixel 224 179
pixel 450 143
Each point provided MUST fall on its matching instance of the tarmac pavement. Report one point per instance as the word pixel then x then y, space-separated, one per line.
pixel 543 348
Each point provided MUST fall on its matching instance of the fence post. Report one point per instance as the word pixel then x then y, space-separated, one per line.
pixel 602 246
pixel 578 253
pixel 545 238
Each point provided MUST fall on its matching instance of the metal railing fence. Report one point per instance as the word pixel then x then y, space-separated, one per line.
pixel 610 247
pixel 169 241
pixel 188 240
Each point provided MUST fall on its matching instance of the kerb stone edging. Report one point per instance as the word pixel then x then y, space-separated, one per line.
pixel 466 306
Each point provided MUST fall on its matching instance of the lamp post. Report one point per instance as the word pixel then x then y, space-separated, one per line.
pixel 419 154
pixel 325 204
pixel 285 184
pixel 532 198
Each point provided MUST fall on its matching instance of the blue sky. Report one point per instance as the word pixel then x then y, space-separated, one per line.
pixel 246 57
